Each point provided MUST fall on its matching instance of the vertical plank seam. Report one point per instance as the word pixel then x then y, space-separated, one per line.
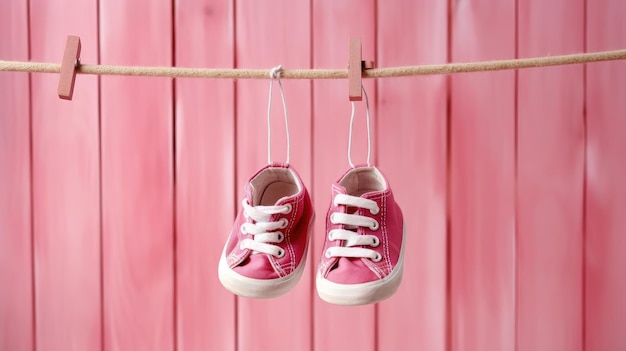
pixel 374 111
pixel 376 157
pixel 31 181
pixel 174 184
pixel 448 153
pixel 235 168
pixel 312 267
pixel 100 185
pixel 516 189
pixel 584 205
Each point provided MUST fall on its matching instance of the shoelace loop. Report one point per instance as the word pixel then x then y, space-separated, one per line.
pixel 264 232
pixel 275 75
pixel 369 132
pixel 351 237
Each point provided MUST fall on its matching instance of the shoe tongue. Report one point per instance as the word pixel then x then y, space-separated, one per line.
pixel 249 194
pixel 338 189
pixel 347 264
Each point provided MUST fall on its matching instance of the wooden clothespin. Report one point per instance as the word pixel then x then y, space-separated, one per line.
pixel 71 60
pixel 355 69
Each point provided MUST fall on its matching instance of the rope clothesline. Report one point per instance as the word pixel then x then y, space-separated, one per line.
pixel 243 73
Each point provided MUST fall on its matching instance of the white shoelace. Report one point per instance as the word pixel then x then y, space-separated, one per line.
pixel 351 237
pixel 265 233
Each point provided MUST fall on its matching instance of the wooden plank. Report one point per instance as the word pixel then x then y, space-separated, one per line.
pixel 16 262
pixel 269 34
pixel 550 153
pixel 66 189
pixel 411 144
pixel 605 286
pixel 482 166
pixel 334 22
pixel 204 175
pixel 137 179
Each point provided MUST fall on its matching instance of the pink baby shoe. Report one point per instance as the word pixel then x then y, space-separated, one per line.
pixel 363 252
pixel 266 251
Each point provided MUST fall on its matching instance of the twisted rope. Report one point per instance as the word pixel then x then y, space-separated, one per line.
pixel 242 73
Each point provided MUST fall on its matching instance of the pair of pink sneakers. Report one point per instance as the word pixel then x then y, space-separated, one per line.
pixel 362 260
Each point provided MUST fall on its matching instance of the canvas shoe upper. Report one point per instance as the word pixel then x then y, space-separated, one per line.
pixel 265 253
pixel 362 258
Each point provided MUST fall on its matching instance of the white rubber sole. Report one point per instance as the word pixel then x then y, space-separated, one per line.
pixel 365 293
pixel 261 288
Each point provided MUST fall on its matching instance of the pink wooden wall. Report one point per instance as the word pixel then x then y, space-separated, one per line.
pixel 114 207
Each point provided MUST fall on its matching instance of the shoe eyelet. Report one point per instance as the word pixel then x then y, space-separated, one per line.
pixel 378 257
pixel 284 222
pixel 375 242
pixel 281 237
pixel 332 218
pixel 331 236
pixel 243 229
pixel 375 211
pixel 327 253
pixel 281 253
pixel 374 225
pixel 289 208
